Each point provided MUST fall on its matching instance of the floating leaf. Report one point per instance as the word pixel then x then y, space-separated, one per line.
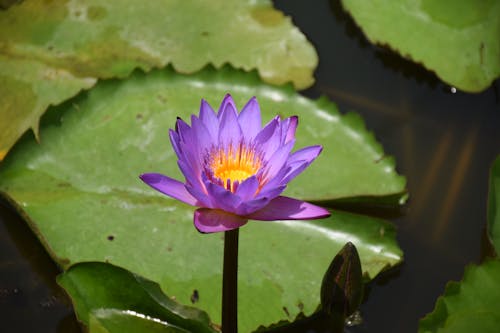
pixel 81 192
pixel 470 305
pixel 457 39
pixel 494 205
pixel 27 89
pixel 49 51
pixel 113 297
pixel 111 320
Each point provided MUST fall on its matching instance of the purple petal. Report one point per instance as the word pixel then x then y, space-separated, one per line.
pixel 209 119
pixel 183 130
pixel 193 178
pixel 268 131
pixel 271 192
pixel 285 208
pixel 222 198
pixel 273 142
pixel 277 161
pixel 251 206
pixel 229 129
pixel 174 139
pixel 226 105
pixel 259 202
pixel 300 160
pixel 305 154
pixel 284 127
pixel 250 120
pixel 171 187
pixel 290 134
pixel 200 195
pixel 275 186
pixel 203 137
pixel 294 170
pixel 246 190
pixel 213 220
pixel 186 138
pixel 190 156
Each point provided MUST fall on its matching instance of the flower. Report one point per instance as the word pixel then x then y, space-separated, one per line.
pixel 235 170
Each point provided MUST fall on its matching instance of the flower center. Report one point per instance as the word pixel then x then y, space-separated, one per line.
pixel 233 165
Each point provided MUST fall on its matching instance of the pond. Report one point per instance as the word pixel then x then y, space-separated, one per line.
pixel 444 142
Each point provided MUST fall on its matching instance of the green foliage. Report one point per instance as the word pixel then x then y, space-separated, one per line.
pixel 457 39
pixel 51 50
pixel 112 320
pixel 470 305
pixel 113 298
pixel 27 89
pixel 80 192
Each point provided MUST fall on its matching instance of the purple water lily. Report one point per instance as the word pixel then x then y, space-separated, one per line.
pixel 235 170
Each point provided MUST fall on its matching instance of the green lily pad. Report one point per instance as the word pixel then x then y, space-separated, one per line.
pixel 113 297
pixel 470 305
pixel 23 101
pixel 81 194
pixel 67 45
pixel 494 205
pixel 112 320
pixel 457 39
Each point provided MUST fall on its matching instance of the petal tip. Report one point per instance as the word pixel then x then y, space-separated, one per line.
pixel 149 178
pixel 285 208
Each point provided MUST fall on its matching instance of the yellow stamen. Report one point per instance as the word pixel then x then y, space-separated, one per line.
pixel 234 164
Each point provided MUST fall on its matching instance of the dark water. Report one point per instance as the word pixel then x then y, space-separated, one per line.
pixel 444 143
pixel 30 300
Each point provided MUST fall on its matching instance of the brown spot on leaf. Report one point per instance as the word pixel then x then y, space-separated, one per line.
pixel 481 52
pixel 195 296
pixel 267 17
pixel 95 13
pixel 65 262
pixel 378 160
pixel 300 306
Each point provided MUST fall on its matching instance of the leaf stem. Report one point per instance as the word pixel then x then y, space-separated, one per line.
pixel 230 282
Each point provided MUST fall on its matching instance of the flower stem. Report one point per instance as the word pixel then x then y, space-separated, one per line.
pixel 230 282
